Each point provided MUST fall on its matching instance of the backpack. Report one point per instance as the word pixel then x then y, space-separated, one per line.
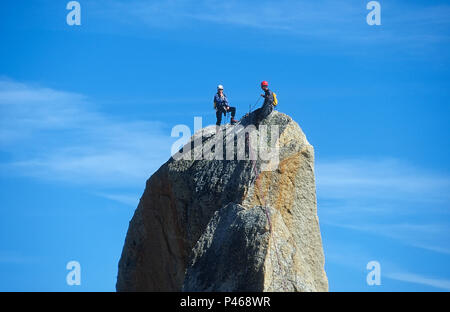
pixel 275 100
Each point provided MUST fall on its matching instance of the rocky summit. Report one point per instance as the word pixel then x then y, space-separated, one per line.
pixel 241 223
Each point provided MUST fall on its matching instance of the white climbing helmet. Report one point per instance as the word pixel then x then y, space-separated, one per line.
pixel 219 87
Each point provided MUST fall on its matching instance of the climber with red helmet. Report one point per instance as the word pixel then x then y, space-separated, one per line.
pixel 221 106
pixel 269 102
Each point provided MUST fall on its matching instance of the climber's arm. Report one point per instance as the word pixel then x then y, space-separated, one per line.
pixel 215 101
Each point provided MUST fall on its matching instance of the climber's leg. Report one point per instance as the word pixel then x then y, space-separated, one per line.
pixel 233 113
pixel 218 117
pixel 266 110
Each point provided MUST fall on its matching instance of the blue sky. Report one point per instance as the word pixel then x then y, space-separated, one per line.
pixel 86 114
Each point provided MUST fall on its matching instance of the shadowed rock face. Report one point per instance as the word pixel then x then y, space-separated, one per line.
pixel 222 225
pixel 230 254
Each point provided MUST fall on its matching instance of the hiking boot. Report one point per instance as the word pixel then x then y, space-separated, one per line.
pixel 233 121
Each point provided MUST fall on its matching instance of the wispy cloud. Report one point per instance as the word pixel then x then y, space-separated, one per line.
pixel 284 15
pixel 355 257
pixel 386 178
pixel 128 199
pixel 324 19
pixel 26 109
pixel 62 136
pixel 388 198
pixel 433 237
pixel 421 280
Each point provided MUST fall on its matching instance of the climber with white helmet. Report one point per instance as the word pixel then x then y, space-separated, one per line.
pixel 221 106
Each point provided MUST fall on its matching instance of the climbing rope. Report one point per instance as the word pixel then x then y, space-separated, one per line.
pixel 261 193
pixel 251 107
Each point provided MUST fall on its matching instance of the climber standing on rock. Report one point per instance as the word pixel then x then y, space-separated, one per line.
pixel 221 106
pixel 270 100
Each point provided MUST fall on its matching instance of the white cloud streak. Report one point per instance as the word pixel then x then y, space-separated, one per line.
pixel 323 19
pixel 433 237
pixel 421 280
pixel 380 179
pixel 126 199
pixel 356 257
pixel 61 136
pixel 388 198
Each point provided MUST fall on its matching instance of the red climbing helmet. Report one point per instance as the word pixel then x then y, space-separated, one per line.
pixel 264 84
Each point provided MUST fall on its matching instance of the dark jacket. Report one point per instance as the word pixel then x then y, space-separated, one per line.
pixel 268 97
pixel 220 102
pixel 267 106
